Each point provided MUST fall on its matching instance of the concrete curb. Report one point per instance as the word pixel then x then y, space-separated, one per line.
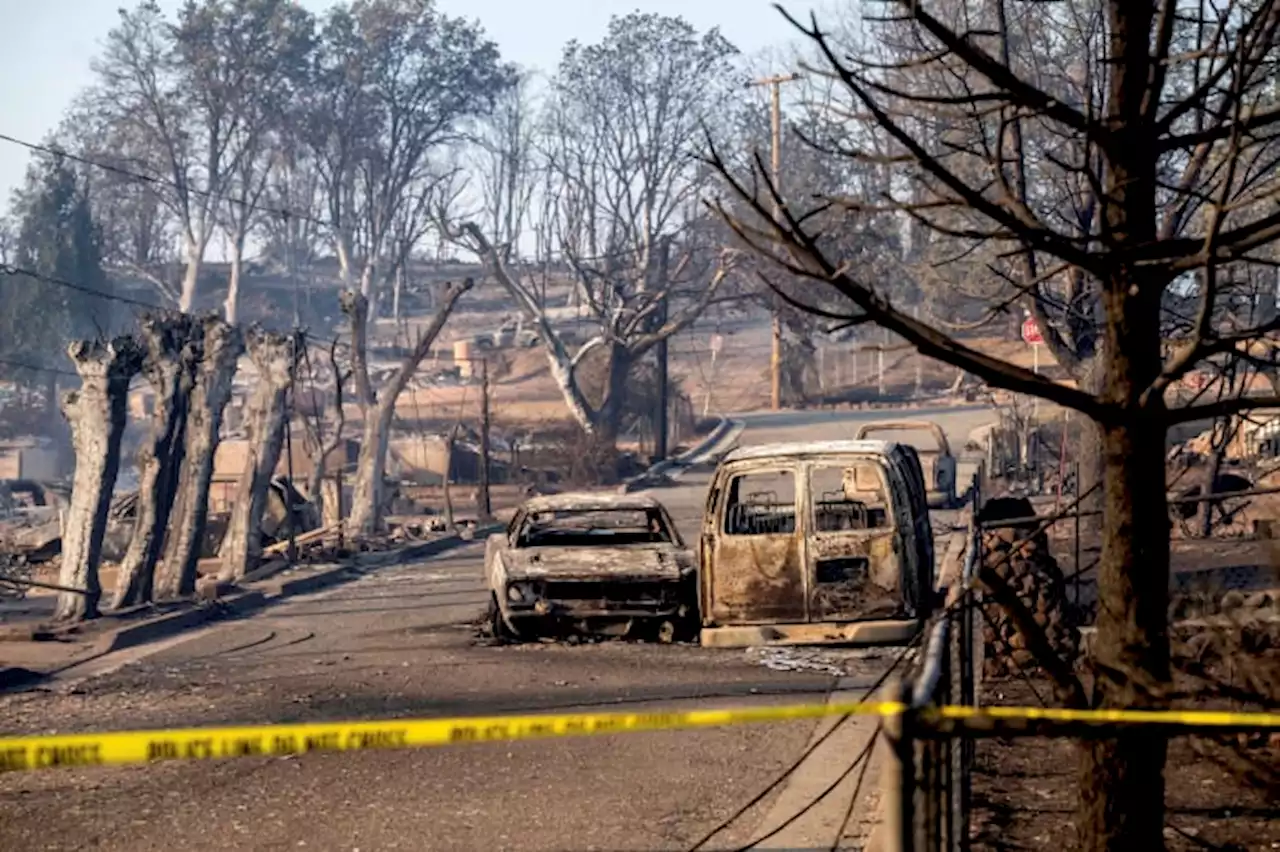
pixel 726 431
pixel 257 596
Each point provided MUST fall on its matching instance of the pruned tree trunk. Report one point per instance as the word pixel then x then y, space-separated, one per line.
pixel 324 448
pixel 221 346
pixel 97 413
pixel 276 357
pixel 172 347
pixel 367 492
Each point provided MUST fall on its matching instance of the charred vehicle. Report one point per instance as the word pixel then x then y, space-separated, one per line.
pixel 816 542
pixel 936 461
pixel 591 563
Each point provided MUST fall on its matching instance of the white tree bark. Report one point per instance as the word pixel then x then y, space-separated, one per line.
pixel 231 307
pixel 97 414
pixel 367 491
pixel 221 348
pixel 276 357
pixel 173 350
pixel 191 275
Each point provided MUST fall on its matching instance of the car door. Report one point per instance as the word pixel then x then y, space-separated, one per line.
pixel 756 571
pixel 852 549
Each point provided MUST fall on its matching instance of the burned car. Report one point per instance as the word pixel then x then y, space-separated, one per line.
pixel 937 462
pixel 591 563
pixel 816 542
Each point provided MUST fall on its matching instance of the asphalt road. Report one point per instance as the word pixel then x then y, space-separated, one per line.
pixel 402 642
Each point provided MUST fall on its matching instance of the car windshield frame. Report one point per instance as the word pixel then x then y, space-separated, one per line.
pixel 560 530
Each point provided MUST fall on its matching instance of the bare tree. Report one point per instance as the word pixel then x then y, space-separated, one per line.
pixel 96 412
pixel 378 410
pixel 270 44
pixel 621 191
pixel 173 94
pixel 396 82
pixel 1171 131
pixel 506 166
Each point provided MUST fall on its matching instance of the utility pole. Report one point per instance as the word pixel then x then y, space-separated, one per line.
pixel 660 425
pixel 485 507
pixel 775 92
pixel 290 398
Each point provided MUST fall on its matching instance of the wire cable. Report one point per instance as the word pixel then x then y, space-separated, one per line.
pixel 155 180
pixel 808 752
pixel 857 791
pixel 863 759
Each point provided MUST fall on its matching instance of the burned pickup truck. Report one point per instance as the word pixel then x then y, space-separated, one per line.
pixel 936 462
pixel 591 563
pixel 816 542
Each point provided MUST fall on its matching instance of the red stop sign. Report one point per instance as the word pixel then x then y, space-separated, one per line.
pixel 1031 332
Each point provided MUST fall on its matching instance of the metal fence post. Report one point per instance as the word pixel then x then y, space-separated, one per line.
pixel 895 833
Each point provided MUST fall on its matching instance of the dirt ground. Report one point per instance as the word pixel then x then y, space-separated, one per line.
pixel 1024 794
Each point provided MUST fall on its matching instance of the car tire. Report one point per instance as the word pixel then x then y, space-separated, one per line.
pixel 498 627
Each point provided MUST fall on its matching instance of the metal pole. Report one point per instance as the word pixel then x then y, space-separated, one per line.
pixel 485 509
pixel 288 448
pixel 775 121
pixel 1035 366
pixel 884 341
pixel 661 427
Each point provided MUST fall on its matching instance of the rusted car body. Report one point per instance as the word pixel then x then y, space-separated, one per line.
pixel 594 563
pixel 816 542
pixel 937 462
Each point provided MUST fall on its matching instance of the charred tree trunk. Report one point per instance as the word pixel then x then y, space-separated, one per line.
pixel 367 492
pixel 97 413
pixel 320 461
pixel 613 398
pixel 172 358
pixel 1122 780
pixel 221 348
pixel 276 357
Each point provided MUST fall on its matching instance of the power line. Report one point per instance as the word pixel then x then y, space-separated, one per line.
pixel 283 212
pixel 37 368
pixel 10 269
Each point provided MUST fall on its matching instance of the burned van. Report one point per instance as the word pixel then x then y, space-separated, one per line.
pixel 816 542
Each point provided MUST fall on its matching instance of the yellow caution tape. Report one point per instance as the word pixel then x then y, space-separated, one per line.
pixel 132 747
pixel 126 747
pixel 1179 718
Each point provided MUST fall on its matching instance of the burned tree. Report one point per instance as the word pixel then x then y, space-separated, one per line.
pixel 1165 124
pixel 172 356
pixel 322 445
pixel 619 203
pixel 276 358
pixel 97 413
pixel 220 348
pixel 378 410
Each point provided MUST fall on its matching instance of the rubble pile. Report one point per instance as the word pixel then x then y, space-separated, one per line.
pixel 1236 652
pixel 1024 562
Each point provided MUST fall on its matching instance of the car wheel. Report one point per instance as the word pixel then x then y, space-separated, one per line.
pixel 498 627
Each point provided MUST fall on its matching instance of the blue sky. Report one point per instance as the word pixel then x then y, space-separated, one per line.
pixel 49 45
